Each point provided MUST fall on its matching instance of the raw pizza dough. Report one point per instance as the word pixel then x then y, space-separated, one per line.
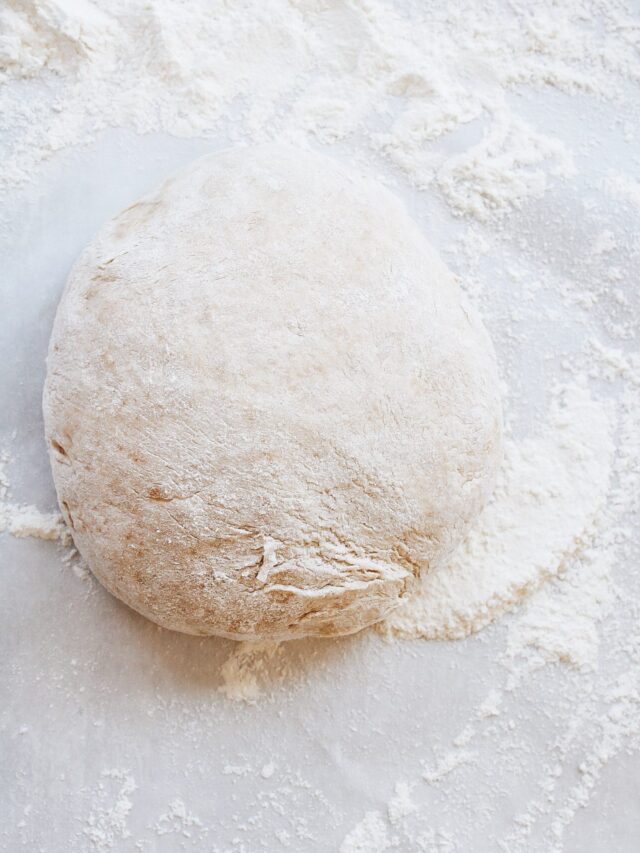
pixel 268 405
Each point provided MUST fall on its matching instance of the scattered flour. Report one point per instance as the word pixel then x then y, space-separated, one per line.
pixel 624 188
pixel 179 820
pixel 549 493
pixel 511 164
pixel 106 825
pixel 397 81
pixel 447 764
pixel 369 836
pixel 617 729
pixel 562 622
pixel 490 706
pixel 400 805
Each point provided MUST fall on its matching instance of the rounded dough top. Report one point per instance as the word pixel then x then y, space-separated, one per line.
pixel 268 405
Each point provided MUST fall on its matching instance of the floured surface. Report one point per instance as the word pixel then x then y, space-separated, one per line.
pixel 522 127
pixel 543 512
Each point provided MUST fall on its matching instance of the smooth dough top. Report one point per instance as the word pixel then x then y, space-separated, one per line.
pixel 268 405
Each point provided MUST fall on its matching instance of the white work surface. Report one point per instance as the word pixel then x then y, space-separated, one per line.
pixel 96 699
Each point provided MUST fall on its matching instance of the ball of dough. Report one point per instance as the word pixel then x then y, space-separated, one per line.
pixel 268 406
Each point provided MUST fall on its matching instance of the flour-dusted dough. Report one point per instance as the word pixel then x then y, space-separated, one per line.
pixel 267 404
